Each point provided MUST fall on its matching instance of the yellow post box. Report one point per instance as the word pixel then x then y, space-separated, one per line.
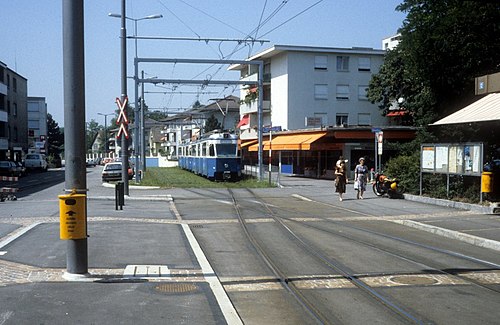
pixel 72 216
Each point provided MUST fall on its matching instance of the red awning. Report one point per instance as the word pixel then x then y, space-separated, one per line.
pixel 245 120
pixel 397 113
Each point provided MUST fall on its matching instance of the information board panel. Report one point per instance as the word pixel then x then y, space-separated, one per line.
pixel 462 159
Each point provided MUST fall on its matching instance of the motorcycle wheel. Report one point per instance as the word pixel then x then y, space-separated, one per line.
pixel 400 189
pixel 376 190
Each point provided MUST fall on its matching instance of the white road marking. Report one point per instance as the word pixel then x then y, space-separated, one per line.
pixel 220 294
pixel 5 316
pixel 18 233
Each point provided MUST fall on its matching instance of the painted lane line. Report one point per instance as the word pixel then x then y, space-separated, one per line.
pixel 18 233
pixel 220 294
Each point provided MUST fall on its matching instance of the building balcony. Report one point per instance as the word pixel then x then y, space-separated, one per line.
pixel 4 117
pixel 253 107
pixel 3 88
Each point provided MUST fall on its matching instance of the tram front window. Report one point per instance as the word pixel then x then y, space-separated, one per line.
pixel 226 149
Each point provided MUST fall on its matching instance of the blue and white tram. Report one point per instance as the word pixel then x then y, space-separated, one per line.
pixel 215 156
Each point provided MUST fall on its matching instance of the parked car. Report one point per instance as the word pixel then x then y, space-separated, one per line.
pixel 36 161
pixel 113 172
pixel 8 168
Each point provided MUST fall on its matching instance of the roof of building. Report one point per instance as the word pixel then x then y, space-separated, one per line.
pixel 277 49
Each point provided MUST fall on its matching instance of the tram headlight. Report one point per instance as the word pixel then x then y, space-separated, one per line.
pixel 226 165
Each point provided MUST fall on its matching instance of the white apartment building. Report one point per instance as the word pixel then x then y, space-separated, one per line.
pixel 37 125
pixel 391 42
pixel 311 87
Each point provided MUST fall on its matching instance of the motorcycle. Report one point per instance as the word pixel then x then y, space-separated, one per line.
pixel 385 185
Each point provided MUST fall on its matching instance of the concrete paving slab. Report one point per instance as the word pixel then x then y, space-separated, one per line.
pixel 109 303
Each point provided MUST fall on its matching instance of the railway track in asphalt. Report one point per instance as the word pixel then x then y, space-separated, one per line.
pixel 482 265
pixel 337 268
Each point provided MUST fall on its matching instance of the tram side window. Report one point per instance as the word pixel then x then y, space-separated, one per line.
pixel 228 150
pixel 211 150
pixel 204 149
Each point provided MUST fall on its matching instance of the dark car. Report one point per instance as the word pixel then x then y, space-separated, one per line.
pixel 8 168
pixel 113 172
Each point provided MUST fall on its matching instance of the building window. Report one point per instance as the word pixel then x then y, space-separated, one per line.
pixel 320 91
pixel 364 64
pixel 341 119
pixel 343 92
pixel 362 92
pixel 15 134
pixel 14 111
pixel 342 63
pixel 34 124
pixel 14 84
pixel 323 117
pixel 320 62
pixel 364 119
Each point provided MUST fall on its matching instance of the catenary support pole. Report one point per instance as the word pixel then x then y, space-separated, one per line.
pixel 143 122
pixel 74 121
pixel 124 142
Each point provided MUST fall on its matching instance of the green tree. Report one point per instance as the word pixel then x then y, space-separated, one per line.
pixel 92 131
pixel 55 137
pixel 444 45
pixel 212 124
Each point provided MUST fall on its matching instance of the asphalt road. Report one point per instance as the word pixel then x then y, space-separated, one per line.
pixel 213 256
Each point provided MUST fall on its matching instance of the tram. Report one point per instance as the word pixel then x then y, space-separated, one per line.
pixel 214 156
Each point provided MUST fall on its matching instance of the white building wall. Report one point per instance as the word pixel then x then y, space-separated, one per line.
pixel 279 92
pixel 298 92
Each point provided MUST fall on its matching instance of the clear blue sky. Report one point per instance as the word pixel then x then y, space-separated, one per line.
pixel 31 42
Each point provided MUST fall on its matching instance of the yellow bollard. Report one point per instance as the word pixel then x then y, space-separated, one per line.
pixel 487 182
pixel 72 210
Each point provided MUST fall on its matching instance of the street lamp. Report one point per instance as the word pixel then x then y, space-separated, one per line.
pixel 136 110
pixel 106 145
pixel 135 20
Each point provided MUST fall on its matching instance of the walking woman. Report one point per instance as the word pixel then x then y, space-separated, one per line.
pixel 360 175
pixel 340 179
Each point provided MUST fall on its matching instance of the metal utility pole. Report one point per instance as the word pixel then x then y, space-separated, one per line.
pixel 74 122
pixel 143 122
pixel 124 142
pixel 106 143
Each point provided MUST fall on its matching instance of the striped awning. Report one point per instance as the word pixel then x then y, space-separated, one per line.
pixel 484 110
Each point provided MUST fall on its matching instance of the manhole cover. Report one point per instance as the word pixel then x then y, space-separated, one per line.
pixel 176 287
pixel 414 280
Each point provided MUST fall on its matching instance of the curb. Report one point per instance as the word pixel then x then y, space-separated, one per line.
pixel 470 239
pixel 452 204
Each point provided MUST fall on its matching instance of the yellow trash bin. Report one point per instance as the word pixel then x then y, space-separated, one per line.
pixel 487 182
pixel 72 213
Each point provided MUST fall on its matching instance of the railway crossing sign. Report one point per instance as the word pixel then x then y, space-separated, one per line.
pixel 122 119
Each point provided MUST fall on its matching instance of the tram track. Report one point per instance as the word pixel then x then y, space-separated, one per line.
pixel 335 266
pixel 485 265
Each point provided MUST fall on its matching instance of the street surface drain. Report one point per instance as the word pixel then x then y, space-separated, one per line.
pixel 414 280
pixel 176 287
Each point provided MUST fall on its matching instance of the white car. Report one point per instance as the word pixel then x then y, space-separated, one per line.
pixel 113 172
pixel 36 161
